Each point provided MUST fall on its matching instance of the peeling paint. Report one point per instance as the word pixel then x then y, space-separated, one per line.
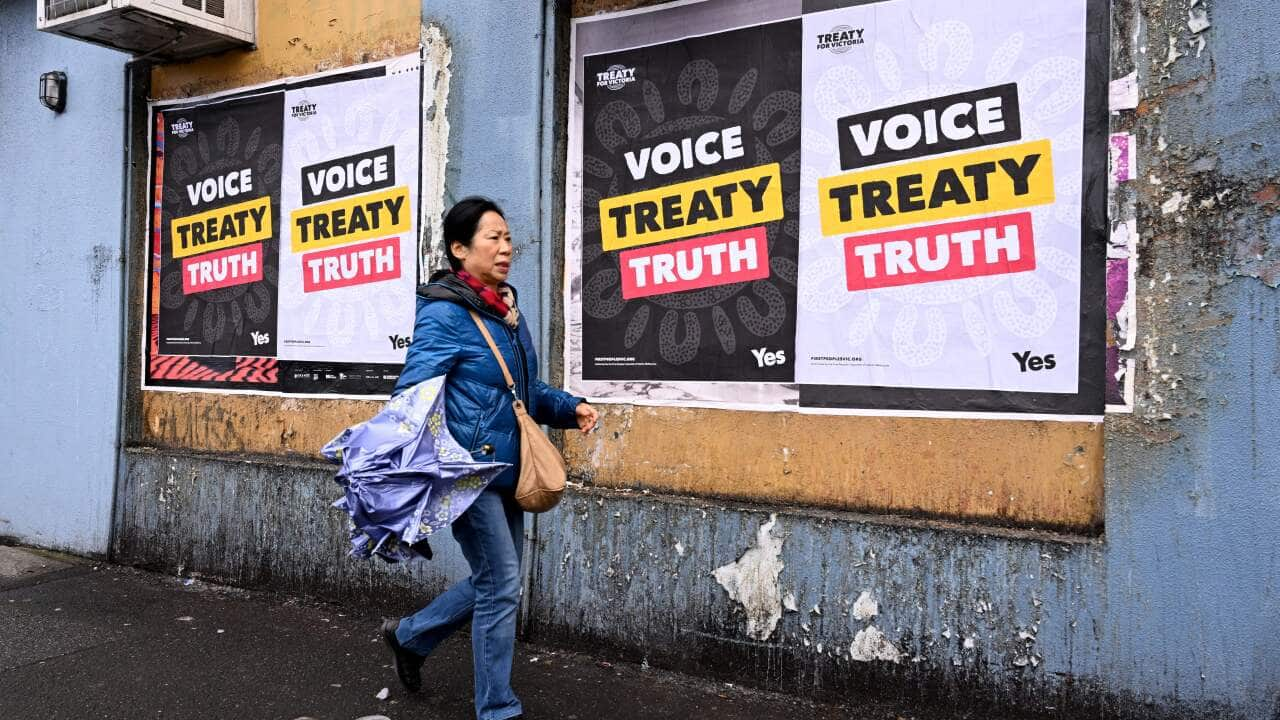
pixel 871 644
pixel 1176 203
pixel 865 607
pixel 437 56
pixel 752 580
pixel 1198 19
pixel 1173 51
pixel 1107 624
pixel 1123 92
pixel 221 514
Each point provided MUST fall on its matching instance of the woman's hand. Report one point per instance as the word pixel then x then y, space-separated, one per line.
pixel 587 417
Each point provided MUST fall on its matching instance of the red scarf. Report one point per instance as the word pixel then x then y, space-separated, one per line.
pixel 491 298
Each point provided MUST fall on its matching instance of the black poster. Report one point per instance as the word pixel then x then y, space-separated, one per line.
pixel 691 157
pixel 217 171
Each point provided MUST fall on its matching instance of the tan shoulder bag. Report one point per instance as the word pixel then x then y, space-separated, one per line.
pixel 542 472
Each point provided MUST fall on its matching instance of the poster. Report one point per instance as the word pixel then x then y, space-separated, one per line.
pixel 692 149
pixel 940 245
pixel 943 261
pixel 348 265
pixel 231 308
pixel 215 221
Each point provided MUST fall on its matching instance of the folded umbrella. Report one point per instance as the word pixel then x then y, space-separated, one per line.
pixel 403 475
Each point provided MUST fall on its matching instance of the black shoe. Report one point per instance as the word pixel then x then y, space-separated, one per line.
pixel 408 663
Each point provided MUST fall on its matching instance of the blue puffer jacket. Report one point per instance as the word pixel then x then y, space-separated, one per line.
pixel 477 402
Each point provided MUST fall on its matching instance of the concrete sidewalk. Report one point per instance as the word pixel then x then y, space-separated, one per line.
pixel 84 640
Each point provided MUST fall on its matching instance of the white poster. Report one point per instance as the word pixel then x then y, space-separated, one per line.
pixel 940 218
pixel 348 259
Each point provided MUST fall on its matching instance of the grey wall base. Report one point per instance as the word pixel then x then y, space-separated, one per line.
pixel 1004 619
pixel 262 524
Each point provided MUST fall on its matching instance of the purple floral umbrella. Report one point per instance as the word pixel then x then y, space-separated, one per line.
pixel 404 476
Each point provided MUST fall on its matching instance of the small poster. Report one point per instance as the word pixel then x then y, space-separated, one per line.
pixel 220 213
pixel 692 151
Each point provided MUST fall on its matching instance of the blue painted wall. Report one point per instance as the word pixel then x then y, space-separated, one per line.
pixel 496 149
pixel 60 287
pixel 495 118
pixel 1192 585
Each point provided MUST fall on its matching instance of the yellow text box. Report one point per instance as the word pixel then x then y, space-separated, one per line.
pixel 351 219
pixel 977 183
pixel 228 226
pixel 721 202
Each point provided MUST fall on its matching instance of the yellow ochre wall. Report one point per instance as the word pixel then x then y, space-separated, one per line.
pixel 1010 472
pixel 1007 472
pixel 297 37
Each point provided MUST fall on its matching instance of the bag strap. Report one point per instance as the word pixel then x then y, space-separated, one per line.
pixel 506 374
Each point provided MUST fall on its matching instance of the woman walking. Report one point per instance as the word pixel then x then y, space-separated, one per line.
pixel 478 410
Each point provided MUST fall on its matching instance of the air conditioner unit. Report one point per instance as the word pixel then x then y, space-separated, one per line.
pixel 163 29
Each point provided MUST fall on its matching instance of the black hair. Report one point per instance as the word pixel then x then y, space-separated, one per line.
pixel 461 221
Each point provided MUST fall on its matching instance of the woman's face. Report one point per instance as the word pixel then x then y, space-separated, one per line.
pixel 489 257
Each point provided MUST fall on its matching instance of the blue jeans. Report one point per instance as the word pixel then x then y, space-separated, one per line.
pixel 491 535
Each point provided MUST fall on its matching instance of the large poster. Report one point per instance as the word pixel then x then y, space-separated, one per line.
pixel 284 235
pixel 937 244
